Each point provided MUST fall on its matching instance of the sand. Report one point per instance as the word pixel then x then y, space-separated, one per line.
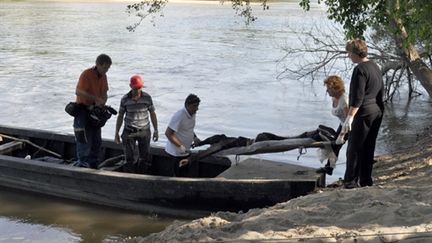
pixel 398 208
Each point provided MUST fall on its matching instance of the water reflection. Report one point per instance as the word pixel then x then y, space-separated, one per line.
pixel 404 123
pixel 12 230
pixel 24 215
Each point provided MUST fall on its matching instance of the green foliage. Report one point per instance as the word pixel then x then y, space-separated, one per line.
pixel 243 9
pixel 416 16
pixel 150 8
pixel 144 9
pixel 358 15
pixel 354 15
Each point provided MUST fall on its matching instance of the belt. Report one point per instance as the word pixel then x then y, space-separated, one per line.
pixel 134 129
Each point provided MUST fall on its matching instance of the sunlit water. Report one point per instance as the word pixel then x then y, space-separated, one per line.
pixel 197 48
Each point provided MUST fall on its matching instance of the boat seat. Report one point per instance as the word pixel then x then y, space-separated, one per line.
pixel 10 147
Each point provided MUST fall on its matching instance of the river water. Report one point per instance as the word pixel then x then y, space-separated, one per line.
pixel 198 47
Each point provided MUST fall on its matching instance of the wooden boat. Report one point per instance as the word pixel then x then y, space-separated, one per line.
pixel 40 161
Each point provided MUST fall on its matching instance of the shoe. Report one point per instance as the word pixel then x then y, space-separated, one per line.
pixel 350 185
pixel 336 184
pixel 326 169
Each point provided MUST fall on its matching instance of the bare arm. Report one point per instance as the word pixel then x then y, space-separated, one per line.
pixel 119 123
pixel 352 111
pixel 154 120
pixel 346 127
pixel 172 137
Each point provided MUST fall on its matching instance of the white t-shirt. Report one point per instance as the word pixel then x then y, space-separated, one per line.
pixel 339 109
pixel 183 124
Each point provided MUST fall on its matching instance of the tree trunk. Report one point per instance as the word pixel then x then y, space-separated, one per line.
pixel 421 71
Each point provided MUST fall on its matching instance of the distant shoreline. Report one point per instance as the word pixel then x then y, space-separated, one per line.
pixel 215 2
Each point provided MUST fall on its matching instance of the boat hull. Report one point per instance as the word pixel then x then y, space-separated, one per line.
pixel 160 194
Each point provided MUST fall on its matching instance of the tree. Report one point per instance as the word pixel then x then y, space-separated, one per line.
pixel 322 54
pixel 406 22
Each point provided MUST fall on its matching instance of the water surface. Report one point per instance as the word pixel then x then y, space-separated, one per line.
pixel 197 48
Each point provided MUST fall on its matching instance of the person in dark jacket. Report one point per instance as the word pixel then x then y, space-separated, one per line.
pixel 366 108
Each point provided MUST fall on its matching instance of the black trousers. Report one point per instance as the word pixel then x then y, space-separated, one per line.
pixel 136 145
pixel 189 170
pixel 361 149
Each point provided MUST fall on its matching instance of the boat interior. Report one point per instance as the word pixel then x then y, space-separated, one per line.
pixel 60 149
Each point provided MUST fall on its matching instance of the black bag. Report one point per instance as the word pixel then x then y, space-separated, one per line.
pixel 98 116
pixel 73 108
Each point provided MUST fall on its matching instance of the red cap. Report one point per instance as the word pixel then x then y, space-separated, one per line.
pixel 136 82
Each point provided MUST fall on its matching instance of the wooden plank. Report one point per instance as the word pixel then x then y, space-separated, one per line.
pixel 274 146
pixel 10 147
pixel 254 168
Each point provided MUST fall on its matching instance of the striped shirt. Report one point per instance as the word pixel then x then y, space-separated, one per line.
pixel 136 111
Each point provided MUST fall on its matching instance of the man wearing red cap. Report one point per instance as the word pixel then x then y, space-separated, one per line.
pixel 135 108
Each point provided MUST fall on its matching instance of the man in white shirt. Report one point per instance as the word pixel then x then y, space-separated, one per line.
pixel 181 135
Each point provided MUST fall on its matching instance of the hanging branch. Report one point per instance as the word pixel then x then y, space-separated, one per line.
pixel 145 9
pixel 321 54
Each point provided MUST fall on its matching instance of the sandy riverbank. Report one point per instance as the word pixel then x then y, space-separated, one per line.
pixel 398 208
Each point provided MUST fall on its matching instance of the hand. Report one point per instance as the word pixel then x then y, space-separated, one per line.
pixel 1 139
pixel 155 135
pixel 117 139
pixel 183 162
pixel 346 126
pixel 182 149
pixel 196 142
pixel 340 139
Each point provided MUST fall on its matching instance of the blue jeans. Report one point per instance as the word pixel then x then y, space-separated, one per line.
pixel 88 141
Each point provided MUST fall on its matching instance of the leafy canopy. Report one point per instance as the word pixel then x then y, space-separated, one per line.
pixel 357 15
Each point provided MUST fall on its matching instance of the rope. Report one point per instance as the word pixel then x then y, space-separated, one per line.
pixel 237 159
pixel 301 152
pixel 32 144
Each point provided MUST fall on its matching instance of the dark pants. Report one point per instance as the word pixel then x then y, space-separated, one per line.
pixel 361 149
pixel 337 147
pixel 136 146
pixel 88 141
pixel 189 170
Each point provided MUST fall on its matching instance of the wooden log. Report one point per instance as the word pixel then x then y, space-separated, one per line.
pixel 274 146
pixel 10 147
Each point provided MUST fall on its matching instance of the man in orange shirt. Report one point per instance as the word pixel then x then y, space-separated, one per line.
pixel 91 90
